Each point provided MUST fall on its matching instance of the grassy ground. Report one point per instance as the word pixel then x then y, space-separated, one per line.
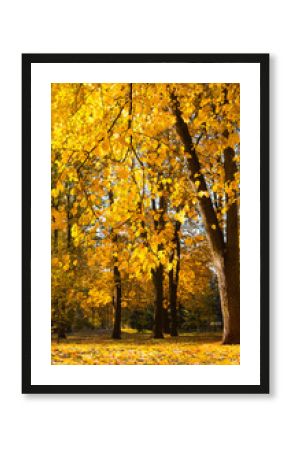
pixel 137 348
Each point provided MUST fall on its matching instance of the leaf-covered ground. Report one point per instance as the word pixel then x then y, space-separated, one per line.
pixel 194 348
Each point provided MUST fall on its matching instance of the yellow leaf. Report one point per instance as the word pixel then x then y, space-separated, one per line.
pixel 203 194
pixel 74 230
pixel 54 193
pixel 54 261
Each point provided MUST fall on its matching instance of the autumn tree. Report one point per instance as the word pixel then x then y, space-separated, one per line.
pixel 141 172
pixel 220 120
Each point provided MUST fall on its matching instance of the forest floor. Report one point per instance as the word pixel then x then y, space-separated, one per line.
pixel 140 348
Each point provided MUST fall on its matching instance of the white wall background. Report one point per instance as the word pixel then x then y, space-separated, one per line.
pixel 143 422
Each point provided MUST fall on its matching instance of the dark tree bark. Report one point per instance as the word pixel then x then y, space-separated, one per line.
pixel 157 275
pixel 166 321
pixel 61 322
pixel 172 302
pixel 223 256
pixel 117 299
pixel 59 328
pixel 232 257
pixel 61 303
pixel 68 213
pixel 173 281
pixel 55 241
pixel 60 332
pixel 158 304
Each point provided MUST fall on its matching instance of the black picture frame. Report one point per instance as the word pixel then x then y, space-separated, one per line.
pixel 27 61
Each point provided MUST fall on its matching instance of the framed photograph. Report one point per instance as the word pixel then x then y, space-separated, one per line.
pixel 145 223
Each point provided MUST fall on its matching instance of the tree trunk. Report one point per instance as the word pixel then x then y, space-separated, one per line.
pixel 60 332
pixel 173 281
pixel 232 257
pixel 166 321
pixel 157 275
pixel 61 322
pixel 68 213
pixel 173 304
pixel 117 304
pixel 117 297
pixel 55 241
pixel 158 304
pixel 224 255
